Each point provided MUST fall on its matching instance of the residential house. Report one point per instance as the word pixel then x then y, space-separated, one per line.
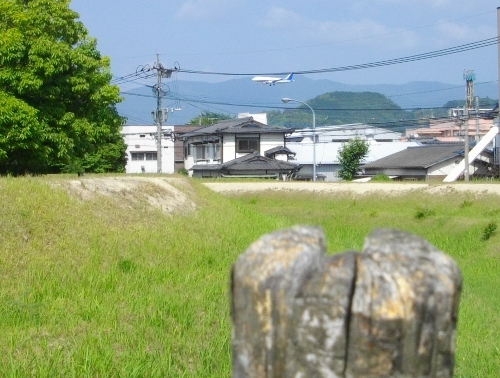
pixel 142 150
pixel 428 162
pixel 249 165
pixel 329 140
pixel 230 139
pixel 179 131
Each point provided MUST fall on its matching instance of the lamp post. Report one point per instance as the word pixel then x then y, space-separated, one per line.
pixel 286 100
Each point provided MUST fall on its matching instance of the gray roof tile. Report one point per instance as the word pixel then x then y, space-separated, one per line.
pixel 418 157
pixel 250 162
pixel 238 126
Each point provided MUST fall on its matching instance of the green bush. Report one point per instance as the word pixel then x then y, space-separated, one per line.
pixel 423 212
pixel 380 178
pixel 489 231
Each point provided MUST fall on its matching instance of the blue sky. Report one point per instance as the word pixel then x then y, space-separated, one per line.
pixel 243 36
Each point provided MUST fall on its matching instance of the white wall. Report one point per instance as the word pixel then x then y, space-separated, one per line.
pixel 143 139
pixel 444 168
pixel 228 148
pixel 268 141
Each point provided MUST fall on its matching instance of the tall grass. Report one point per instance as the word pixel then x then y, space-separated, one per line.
pixel 462 225
pixel 96 289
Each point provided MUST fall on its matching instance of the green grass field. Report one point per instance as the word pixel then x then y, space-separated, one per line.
pixel 96 289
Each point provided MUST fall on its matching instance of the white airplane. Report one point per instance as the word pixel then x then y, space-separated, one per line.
pixel 273 80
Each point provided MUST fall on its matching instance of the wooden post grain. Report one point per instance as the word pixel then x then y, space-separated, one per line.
pixel 388 311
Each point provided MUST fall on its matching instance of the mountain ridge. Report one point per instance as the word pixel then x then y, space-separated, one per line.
pixel 243 96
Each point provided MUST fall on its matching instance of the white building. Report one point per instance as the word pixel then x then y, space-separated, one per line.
pixel 230 139
pixel 142 150
pixel 329 140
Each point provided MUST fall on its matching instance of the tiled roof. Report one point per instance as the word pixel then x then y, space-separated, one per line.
pixel 238 126
pixel 419 157
pixel 279 149
pixel 250 162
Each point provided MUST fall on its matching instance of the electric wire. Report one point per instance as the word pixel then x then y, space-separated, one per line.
pixel 145 72
pixel 287 108
pixel 411 58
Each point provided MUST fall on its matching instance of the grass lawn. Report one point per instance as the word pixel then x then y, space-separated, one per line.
pixel 97 289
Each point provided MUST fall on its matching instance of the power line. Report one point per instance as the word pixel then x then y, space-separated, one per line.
pixel 267 106
pixel 438 90
pixel 411 58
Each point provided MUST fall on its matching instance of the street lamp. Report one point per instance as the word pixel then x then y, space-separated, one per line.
pixel 286 100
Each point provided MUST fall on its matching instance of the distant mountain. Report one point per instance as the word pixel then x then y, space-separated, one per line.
pixel 339 108
pixel 242 96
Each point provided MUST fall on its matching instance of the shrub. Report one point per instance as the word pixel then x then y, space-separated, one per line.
pixel 381 178
pixel 423 212
pixel 350 156
pixel 489 231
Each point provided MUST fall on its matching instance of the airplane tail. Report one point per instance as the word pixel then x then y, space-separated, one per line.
pixel 289 77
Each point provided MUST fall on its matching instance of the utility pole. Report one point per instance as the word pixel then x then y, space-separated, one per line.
pixel 469 77
pixel 496 150
pixel 160 114
pixel 477 119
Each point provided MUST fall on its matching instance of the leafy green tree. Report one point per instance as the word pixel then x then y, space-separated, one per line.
pixel 208 118
pixel 350 156
pixel 57 106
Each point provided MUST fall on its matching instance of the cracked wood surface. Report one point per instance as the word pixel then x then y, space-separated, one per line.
pixel 388 311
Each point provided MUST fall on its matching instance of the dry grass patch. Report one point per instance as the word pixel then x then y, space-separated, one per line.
pixel 170 195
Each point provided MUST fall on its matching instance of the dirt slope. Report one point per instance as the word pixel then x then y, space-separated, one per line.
pixel 165 193
pixel 174 195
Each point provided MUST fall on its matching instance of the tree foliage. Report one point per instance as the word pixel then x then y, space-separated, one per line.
pixel 57 106
pixel 208 118
pixel 350 156
pixel 337 108
pixel 340 108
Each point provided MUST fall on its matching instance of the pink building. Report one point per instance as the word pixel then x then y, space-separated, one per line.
pixel 449 131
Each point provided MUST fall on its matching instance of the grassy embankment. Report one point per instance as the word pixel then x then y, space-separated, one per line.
pixel 92 288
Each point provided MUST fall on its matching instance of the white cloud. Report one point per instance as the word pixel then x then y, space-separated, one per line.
pixel 280 17
pixel 360 32
pixel 196 10
pixel 461 32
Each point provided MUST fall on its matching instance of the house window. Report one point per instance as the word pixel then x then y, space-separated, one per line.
pixel 247 144
pixel 201 152
pixel 187 150
pixel 207 151
pixel 144 156
pixel 137 155
pixel 217 152
pixel 151 155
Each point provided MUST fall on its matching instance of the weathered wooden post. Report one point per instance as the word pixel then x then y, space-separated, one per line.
pixel 388 311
